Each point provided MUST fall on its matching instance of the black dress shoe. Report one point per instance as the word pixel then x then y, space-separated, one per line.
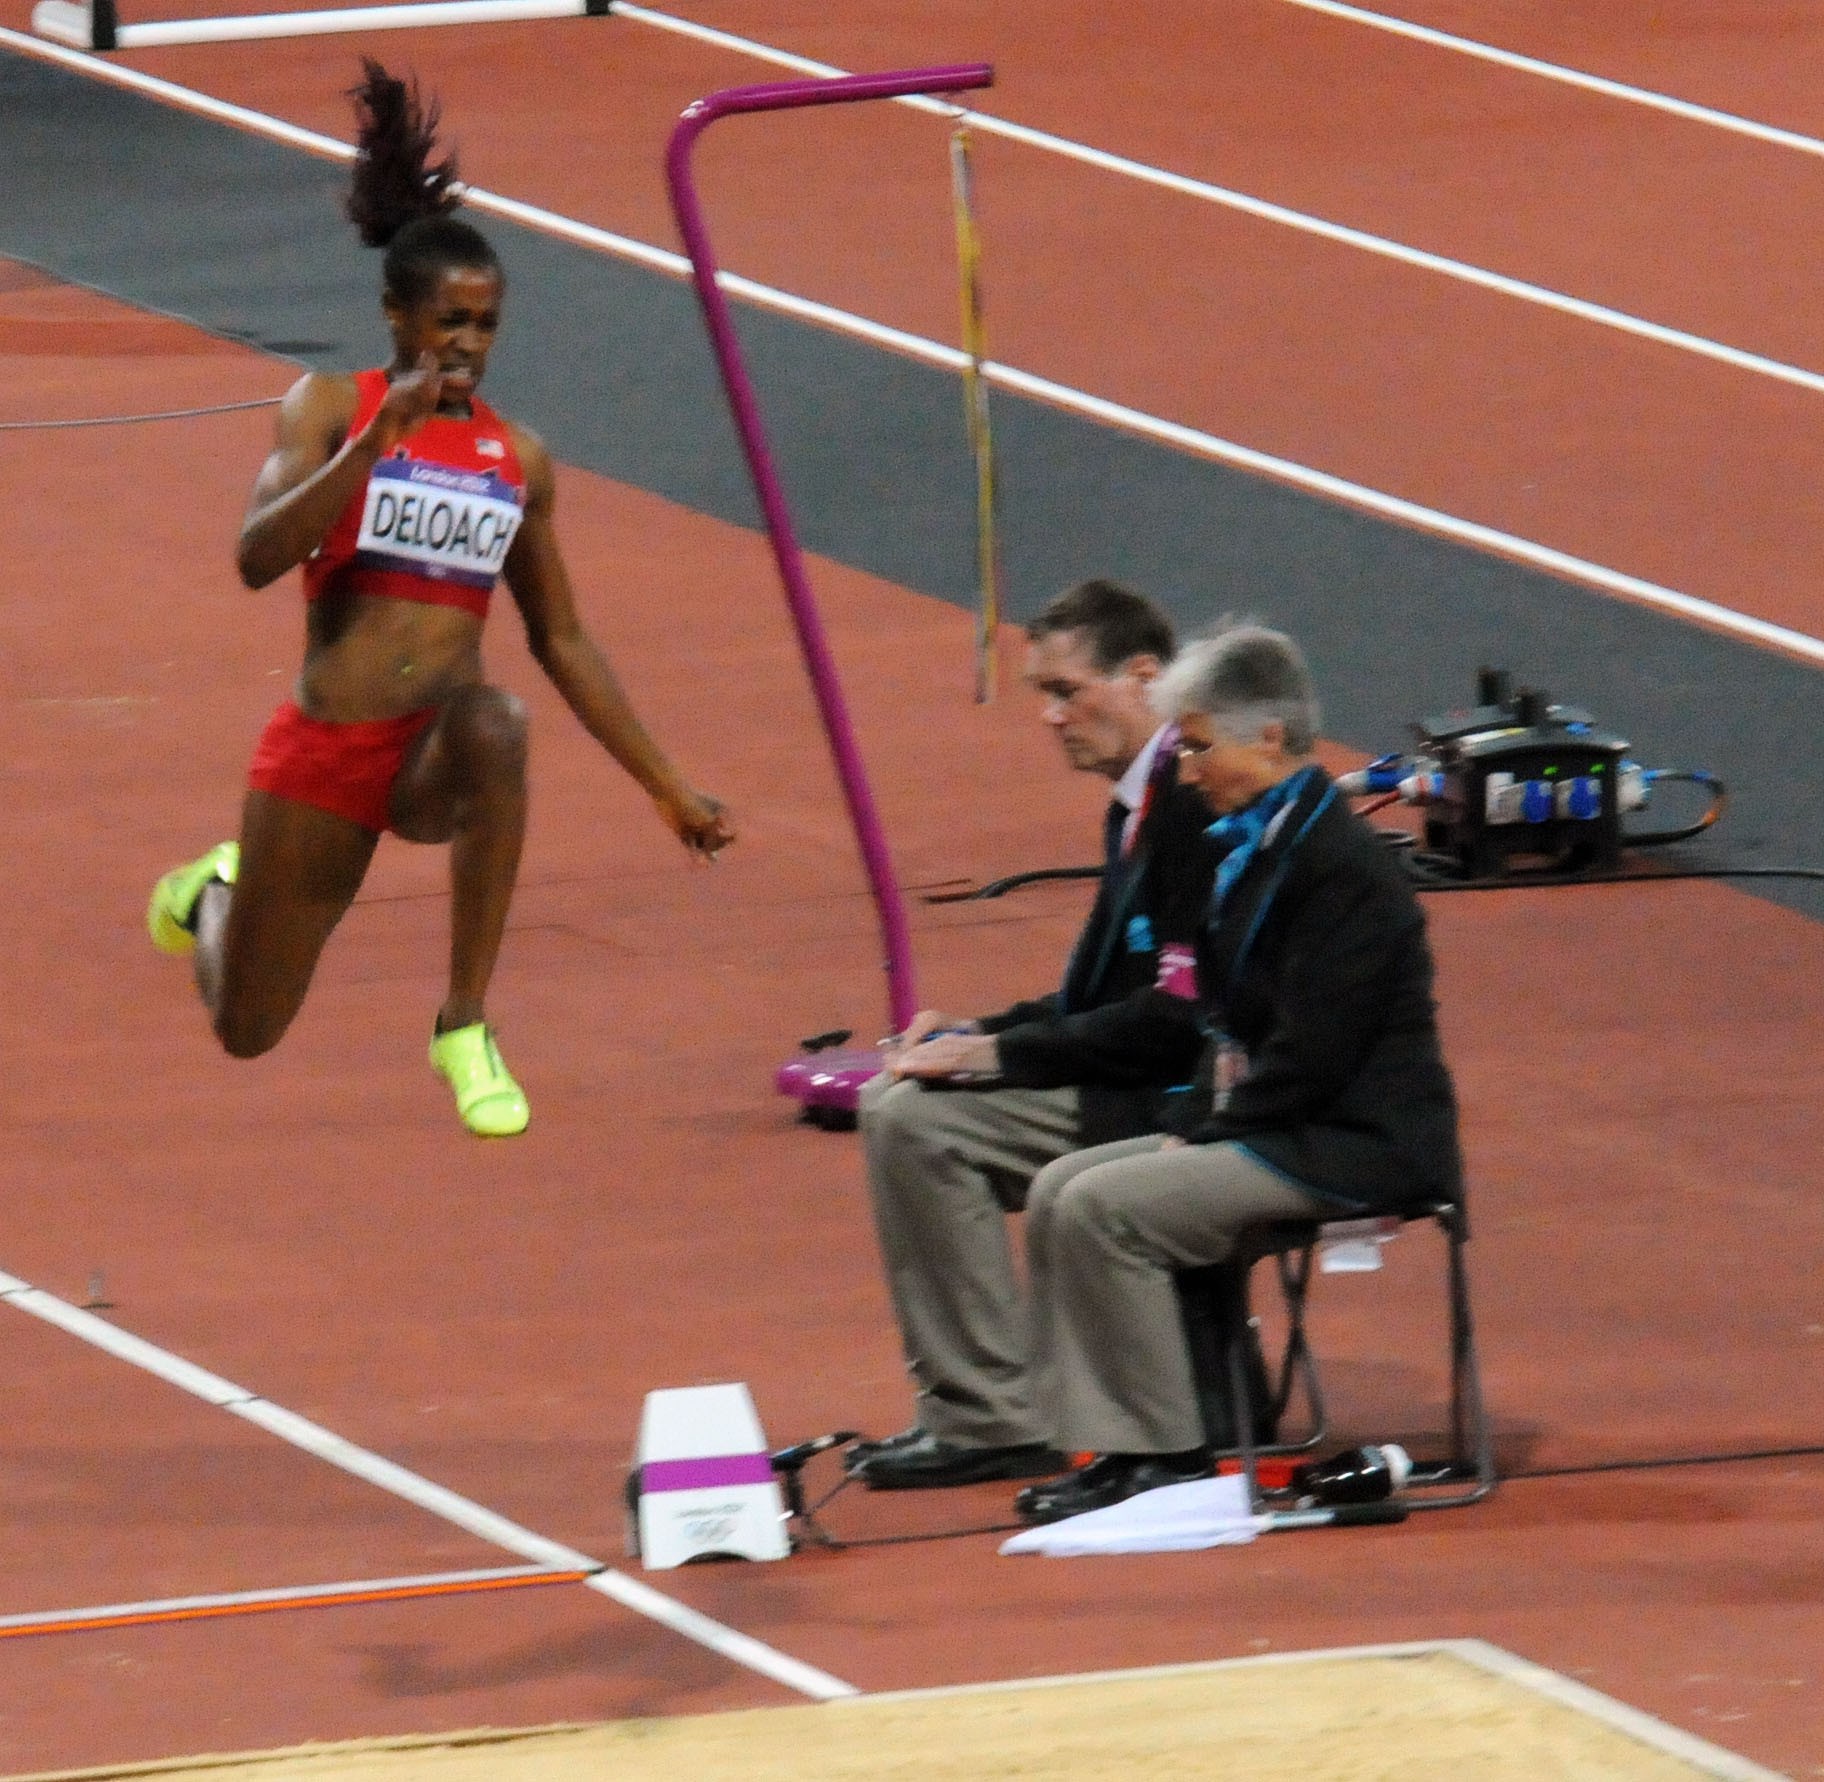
pixel 859 1451
pixel 926 1461
pixel 1109 1479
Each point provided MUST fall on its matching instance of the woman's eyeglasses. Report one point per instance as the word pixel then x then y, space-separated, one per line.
pixel 1188 748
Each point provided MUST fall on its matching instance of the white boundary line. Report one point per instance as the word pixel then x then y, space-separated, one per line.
pixel 1264 211
pixel 1659 1735
pixel 1570 77
pixel 292 1593
pixel 1711 1760
pixel 1648 1728
pixel 1259 208
pixel 186 98
pixel 1131 420
pixel 438 1500
pixel 66 22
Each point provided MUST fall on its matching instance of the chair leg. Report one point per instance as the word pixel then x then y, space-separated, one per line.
pixel 1472 1456
pixel 1215 1304
pixel 1235 1358
pixel 1296 1368
pixel 1470 1465
pixel 1297 1365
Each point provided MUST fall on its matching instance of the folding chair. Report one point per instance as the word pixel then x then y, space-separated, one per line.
pixel 1244 1405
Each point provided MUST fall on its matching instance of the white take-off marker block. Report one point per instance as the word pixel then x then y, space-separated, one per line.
pixel 706 1486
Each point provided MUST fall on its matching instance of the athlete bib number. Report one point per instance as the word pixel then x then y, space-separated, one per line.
pixel 430 520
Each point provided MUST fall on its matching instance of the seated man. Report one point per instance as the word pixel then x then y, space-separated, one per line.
pixel 967 1112
pixel 1324 1093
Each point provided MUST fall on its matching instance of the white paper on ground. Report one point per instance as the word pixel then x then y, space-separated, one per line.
pixel 1173 1519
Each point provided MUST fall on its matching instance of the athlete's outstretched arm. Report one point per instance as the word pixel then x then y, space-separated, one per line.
pixel 574 662
pixel 315 468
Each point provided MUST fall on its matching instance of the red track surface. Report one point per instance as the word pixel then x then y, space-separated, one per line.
pixel 1640 1117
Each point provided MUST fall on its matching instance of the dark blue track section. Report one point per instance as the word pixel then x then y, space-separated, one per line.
pixel 609 362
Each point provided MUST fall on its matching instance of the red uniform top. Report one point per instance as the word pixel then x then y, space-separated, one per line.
pixel 436 517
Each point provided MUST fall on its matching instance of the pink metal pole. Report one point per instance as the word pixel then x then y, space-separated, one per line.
pixel 812 642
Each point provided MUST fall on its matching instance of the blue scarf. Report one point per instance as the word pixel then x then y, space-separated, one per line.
pixel 1243 831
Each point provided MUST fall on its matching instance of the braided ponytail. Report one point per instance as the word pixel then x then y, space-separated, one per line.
pixel 399 197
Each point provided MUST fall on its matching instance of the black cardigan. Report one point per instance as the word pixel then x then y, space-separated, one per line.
pixel 1346 1092
pixel 1125 1044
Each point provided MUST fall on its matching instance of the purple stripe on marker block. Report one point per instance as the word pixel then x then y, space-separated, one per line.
pixel 705 1474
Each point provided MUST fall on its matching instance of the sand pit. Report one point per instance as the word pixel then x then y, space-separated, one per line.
pixel 1461 1711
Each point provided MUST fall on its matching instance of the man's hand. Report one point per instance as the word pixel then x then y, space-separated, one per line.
pixel 697 820
pixel 957 1056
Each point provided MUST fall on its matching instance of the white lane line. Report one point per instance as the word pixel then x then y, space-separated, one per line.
pixel 438 1500
pixel 184 1375
pixel 1424 519
pixel 1302 221
pixel 185 97
pixel 74 24
pixel 1570 77
pixel 741 1648
pixel 1132 420
pixel 290 1593
pixel 1522 290
pixel 388 1475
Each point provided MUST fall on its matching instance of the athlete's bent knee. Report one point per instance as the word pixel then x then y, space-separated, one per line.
pixel 486 727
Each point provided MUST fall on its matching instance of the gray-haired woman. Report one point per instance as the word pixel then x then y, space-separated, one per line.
pixel 1323 1093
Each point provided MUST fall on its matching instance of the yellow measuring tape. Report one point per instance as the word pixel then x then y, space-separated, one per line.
pixel 981 436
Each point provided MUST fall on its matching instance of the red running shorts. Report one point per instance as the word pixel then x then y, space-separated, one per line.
pixel 345 769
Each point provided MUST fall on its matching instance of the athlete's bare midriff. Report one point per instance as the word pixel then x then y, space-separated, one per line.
pixel 368 656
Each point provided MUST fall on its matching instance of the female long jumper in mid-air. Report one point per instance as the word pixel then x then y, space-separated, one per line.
pixel 403 496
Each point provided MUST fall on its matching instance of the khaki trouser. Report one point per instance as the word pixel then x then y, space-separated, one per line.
pixel 1106 1230
pixel 945 1167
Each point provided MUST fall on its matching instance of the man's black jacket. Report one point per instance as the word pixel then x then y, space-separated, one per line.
pixel 1110 1032
pixel 1318 965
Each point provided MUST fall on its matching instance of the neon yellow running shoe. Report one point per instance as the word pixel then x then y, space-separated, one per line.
pixel 171 915
pixel 487 1098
